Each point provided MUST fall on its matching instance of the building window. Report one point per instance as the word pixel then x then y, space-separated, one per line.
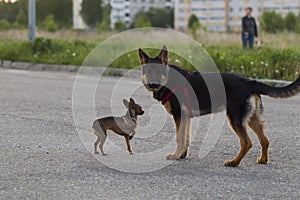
pixel 127 14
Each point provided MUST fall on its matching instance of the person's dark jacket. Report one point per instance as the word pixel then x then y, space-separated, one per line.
pixel 249 25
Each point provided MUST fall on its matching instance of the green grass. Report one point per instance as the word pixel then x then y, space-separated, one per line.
pixel 269 62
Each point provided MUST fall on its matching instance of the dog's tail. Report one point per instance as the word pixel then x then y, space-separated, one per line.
pixel 277 92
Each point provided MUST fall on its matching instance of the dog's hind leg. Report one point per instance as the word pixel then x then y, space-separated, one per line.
pixel 181 148
pixel 103 138
pixel 245 143
pixel 187 137
pixel 97 142
pixel 257 125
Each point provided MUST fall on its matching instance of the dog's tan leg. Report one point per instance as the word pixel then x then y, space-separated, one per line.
pixel 103 138
pixel 96 145
pixel 181 148
pixel 187 137
pixel 257 125
pixel 245 146
pixel 97 142
pixel 128 144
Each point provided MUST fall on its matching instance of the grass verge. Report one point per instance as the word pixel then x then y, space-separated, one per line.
pixel 269 62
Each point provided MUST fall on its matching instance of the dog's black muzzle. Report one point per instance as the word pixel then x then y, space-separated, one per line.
pixel 153 85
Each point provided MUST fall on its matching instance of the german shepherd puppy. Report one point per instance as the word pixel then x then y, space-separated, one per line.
pixel 243 102
pixel 124 126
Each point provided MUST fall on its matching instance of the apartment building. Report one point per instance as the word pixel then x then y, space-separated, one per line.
pixel 125 10
pixel 222 15
pixel 78 22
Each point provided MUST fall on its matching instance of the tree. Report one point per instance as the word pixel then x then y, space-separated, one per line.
pixel 142 20
pixel 272 22
pixel 119 26
pixel 297 29
pixel 105 23
pixel 9 10
pixel 290 22
pixel 21 18
pixel 193 25
pixel 161 17
pixel 60 9
pixel 91 12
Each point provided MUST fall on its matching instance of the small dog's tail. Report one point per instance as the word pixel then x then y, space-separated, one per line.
pixel 277 92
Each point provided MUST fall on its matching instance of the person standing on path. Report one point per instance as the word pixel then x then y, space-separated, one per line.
pixel 249 29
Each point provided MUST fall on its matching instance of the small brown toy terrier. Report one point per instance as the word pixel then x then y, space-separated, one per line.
pixel 124 126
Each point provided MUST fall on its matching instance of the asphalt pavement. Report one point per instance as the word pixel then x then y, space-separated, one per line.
pixel 46 145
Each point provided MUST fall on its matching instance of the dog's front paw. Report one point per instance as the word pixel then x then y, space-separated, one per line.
pixel 184 155
pixel 172 157
pixel 231 163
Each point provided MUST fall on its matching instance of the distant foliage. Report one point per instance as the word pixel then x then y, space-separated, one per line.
pixel 22 18
pixel 272 22
pixel 193 25
pixel 142 20
pixel 4 24
pixel 16 13
pixel 49 24
pixel 119 26
pixel 91 12
pixel 290 22
pixel 156 17
pixel 104 25
pixel 60 9
pixel 161 17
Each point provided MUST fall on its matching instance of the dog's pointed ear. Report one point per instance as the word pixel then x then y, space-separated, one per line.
pixel 163 55
pixel 143 57
pixel 256 42
pixel 126 103
pixel 132 101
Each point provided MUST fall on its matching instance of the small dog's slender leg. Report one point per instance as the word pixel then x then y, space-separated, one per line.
pixel 97 142
pixel 103 138
pixel 181 148
pixel 128 143
pixel 96 145
pixel 257 126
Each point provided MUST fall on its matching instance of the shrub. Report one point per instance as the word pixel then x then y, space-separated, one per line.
pixel 142 20
pixel 50 24
pixel 119 26
pixel 4 24
pixel 21 18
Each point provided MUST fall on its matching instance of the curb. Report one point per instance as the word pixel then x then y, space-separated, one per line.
pixel 106 71
pixel 6 64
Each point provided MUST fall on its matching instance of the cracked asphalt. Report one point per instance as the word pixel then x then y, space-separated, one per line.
pixel 43 157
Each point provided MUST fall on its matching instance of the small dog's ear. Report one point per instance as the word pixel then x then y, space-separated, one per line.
pixel 261 42
pixel 256 42
pixel 126 103
pixel 132 101
pixel 163 55
pixel 143 56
